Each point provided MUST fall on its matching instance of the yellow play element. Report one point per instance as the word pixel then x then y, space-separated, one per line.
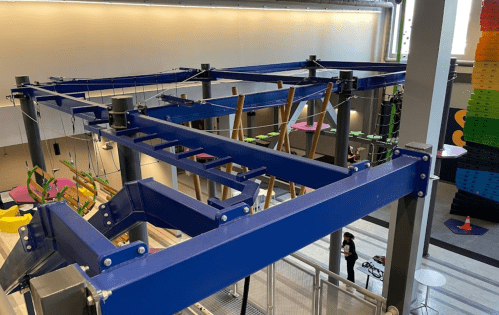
pixel 12 224
pixel 86 192
pixel 12 211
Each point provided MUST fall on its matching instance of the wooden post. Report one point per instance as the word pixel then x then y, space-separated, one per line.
pixel 195 177
pixel 282 134
pixel 319 126
pixel 287 144
pixel 235 135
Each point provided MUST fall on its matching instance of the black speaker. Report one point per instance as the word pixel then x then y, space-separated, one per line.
pixel 57 150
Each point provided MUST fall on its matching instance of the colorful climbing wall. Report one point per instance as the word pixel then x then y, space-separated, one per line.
pixel 477 175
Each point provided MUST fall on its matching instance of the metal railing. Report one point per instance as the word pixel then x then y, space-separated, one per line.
pixel 295 285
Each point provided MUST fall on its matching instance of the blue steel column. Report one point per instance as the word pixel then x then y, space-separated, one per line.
pixel 438 162
pixel 32 129
pixel 208 125
pixel 129 161
pixel 312 72
pixel 341 159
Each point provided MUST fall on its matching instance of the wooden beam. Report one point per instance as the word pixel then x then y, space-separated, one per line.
pixel 318 129
pixel 235 135
pixel 85 185
pixel 287 144
pixel 282 134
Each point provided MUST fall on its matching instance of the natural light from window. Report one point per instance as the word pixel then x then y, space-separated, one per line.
pixel 460 32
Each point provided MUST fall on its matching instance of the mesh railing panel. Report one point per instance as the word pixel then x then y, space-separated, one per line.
pixel 335 301
pixel 294 289
pixel 258 289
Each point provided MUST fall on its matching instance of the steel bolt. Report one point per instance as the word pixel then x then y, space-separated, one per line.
pixel 25 238
pixel 85 268
pixel 105 294
pixel 246 209
pixel 23 229
pixel 108 222
pixel 368 164
pixel 141 250
pixel 128 122
pixel 28 247
pixel 355 169
pixel 224 218
pixel 103 207
pixel 107 262
pixel 420 193
pixel 397 152
pixel 425 158
pixel 106 215
pixel 90 301
pixel 423 176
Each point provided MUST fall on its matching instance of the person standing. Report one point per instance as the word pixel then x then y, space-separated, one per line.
pixel 350 254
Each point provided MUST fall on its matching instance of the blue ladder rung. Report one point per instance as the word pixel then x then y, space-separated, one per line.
pixel 145 138
pixel 189 153
pixel 251 174
pixel 126 132
pixel 218 162
pixel 165 145
pixel 98 122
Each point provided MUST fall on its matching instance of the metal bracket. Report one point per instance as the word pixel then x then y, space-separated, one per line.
pixel 424 169
pixel 359 166
pixel 28 239
pixel 232 213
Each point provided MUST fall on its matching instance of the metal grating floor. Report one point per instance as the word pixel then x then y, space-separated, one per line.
pixel 223 303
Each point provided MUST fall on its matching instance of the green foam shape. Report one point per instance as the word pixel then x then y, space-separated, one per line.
pixel 273 134
pixel 373 137
pixel 356 133
pixel 249 140
pixel 333 130
pixel 261 137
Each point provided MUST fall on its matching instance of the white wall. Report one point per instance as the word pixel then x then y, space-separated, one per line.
pixel 99 40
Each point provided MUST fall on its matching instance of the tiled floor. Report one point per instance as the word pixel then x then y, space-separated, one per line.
pixel 486 245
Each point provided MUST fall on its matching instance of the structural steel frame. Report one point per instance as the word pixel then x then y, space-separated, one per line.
pixel 229 243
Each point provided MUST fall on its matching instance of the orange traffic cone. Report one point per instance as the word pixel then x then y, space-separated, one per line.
pixel 466 226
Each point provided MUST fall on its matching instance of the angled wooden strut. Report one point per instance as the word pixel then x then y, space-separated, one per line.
pixel 195 177
pixel 318 129
pixel 287 143
pixel 280 142
pixel 241 134
pixel 235 135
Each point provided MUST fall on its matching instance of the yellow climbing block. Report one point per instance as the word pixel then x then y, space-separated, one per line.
pixel 86 192
pixel 12 211
pixel 12 224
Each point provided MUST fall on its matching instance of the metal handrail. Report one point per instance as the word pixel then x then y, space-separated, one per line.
pixel 366 292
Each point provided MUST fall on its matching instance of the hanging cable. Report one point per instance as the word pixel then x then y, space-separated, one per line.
pixel 244 304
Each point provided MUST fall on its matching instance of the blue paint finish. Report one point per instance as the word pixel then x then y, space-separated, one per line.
pixel 379 81
pixel 269 68
pixel 424 169
pixel 306 172
pixel 216 259
pixel 362 66
pixel 252 77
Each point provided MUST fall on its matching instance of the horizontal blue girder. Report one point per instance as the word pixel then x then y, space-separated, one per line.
pixel 252 77
pixel 296 169
pixel 279 67
pixel 380 81
pixel 363 66
pixel 222 106
pixel 210 262
pixel 86 85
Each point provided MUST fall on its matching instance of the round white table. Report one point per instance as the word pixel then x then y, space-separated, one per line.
pixel 430 279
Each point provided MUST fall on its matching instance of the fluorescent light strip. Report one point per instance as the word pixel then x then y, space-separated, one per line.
pixel 265 8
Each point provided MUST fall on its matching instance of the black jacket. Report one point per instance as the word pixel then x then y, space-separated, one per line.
pixel 353 253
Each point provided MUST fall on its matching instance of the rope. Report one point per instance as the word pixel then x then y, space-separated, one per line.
pixel 278 124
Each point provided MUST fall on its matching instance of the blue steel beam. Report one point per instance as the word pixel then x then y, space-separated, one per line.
pixel 379 81
pixel 304 171
pixel 222 106
pixel 279 67
pixel 256 77
pixel 360 66
pixel 86 85
pixel 210 262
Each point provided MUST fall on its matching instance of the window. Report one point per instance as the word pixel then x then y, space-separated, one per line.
pixel 460 32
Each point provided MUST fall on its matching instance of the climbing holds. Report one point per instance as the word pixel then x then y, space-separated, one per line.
pixel 273 134
pixel 261 137
pixel 249 140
